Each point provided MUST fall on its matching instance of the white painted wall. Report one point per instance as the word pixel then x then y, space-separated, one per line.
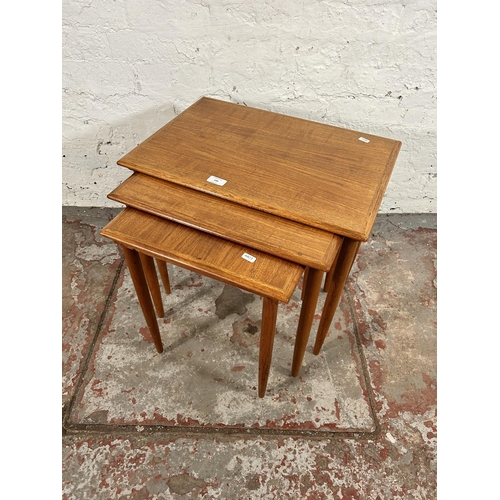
pixel 129 66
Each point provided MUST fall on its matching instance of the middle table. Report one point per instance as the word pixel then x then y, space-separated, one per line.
pixel 312 247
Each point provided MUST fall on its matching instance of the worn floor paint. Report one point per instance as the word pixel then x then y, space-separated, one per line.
pixel 388 327
pixel 89 265
pixel 207 374
pixel 257 468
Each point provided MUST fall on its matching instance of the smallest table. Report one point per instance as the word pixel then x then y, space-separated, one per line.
pixel 144 236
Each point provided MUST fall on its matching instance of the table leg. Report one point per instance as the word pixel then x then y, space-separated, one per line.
pixel 313 287
pixel 141 288
pixel 329 279
pixel 148 265
pixel 330 273
pixel 162 266
pixel 345 261
pixel 304 281
pixel 269 314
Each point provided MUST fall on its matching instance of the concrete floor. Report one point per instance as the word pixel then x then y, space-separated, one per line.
pixel 358 423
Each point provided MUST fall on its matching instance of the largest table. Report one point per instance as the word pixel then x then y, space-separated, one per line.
pixel 316 175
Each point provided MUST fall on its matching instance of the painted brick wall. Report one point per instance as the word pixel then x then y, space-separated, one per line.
pixel 130 66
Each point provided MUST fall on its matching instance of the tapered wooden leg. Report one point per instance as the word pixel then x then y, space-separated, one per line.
pixel 330 273
pixel 328 279
pixel 162 267
pixel 304 281
pixel 269 314
pixel 345 261
pixel 313 287
pixel 148 265
pixel 141 288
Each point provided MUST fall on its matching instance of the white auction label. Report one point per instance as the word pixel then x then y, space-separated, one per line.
pixel 249 257
pixel 216 180
pixel 364 139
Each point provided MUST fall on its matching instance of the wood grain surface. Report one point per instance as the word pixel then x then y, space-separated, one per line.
pixel 220 259
pixel 253 228
pixel 313 173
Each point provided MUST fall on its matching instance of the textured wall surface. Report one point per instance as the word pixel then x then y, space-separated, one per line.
pixel 130 66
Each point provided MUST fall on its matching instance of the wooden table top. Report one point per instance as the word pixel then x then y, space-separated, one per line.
pixel 316 174
pixel 283 238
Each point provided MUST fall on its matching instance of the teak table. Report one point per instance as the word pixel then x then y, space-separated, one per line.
pixel 290 187
pixel 298 243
